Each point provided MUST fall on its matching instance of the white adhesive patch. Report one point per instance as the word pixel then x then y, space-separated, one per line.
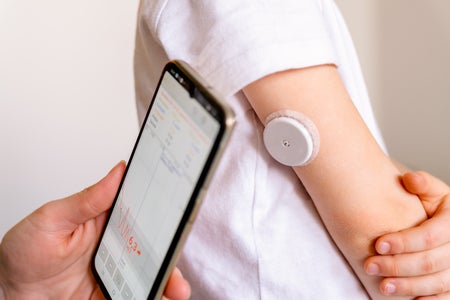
pixel 291 138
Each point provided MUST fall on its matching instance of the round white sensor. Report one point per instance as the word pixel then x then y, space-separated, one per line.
pixel 289 141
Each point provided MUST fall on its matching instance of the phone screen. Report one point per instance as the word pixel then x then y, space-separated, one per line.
pixel 177 139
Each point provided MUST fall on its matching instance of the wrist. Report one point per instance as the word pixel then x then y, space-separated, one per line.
pixel 3 282
pixel 2 287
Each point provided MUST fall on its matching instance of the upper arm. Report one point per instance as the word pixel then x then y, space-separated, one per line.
pixel 353 184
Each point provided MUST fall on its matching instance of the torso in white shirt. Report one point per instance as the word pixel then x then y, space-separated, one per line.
pixel 257 235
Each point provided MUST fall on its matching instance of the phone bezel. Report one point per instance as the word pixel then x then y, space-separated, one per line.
pixel 225 116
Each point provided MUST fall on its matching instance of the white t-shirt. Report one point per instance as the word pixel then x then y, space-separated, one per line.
pixel 257 235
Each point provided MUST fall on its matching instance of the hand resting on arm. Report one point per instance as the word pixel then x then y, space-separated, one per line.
pixel 416 261
pixel 353 184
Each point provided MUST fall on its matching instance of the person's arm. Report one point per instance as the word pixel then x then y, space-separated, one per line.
pixel 353 184
pixel 416 261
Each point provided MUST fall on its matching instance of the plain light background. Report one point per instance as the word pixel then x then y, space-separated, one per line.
pixel 404 48
pixel 67 111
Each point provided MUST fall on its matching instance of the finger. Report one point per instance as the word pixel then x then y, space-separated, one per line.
pixel 431 191
pixel 97 294
pixel 442 296
pixel 426 186
pixel 411 264
pixel 438 283
pixel 430 234
pixel 177 287
pixel 89 203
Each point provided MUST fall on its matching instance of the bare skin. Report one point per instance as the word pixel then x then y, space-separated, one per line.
pixel 353 184
pixel 47 255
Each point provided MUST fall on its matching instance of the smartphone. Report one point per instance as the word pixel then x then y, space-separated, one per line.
pixel 184 132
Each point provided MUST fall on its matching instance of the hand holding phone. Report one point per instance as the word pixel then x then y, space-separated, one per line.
pixel 184 132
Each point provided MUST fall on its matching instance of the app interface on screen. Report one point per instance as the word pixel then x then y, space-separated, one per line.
pixel 174 145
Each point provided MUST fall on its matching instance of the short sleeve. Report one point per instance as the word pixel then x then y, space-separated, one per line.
pixel 233 43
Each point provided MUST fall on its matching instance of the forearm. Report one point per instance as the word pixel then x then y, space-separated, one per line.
pixel 357 206
pixel 401 167
pixel 353 184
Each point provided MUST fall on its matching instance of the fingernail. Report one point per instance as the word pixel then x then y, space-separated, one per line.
pixel 373 269
pixel 389 288
pixel 383 248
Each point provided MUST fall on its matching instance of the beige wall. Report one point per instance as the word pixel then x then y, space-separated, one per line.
pixel 66 90
pixel 66 98
pixel 404 47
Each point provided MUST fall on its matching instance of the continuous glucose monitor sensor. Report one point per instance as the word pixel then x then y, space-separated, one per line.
pixel 291 138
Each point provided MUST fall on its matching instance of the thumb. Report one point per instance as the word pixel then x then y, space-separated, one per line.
pixel 430 190
pixel 423 184
pixel 91 202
